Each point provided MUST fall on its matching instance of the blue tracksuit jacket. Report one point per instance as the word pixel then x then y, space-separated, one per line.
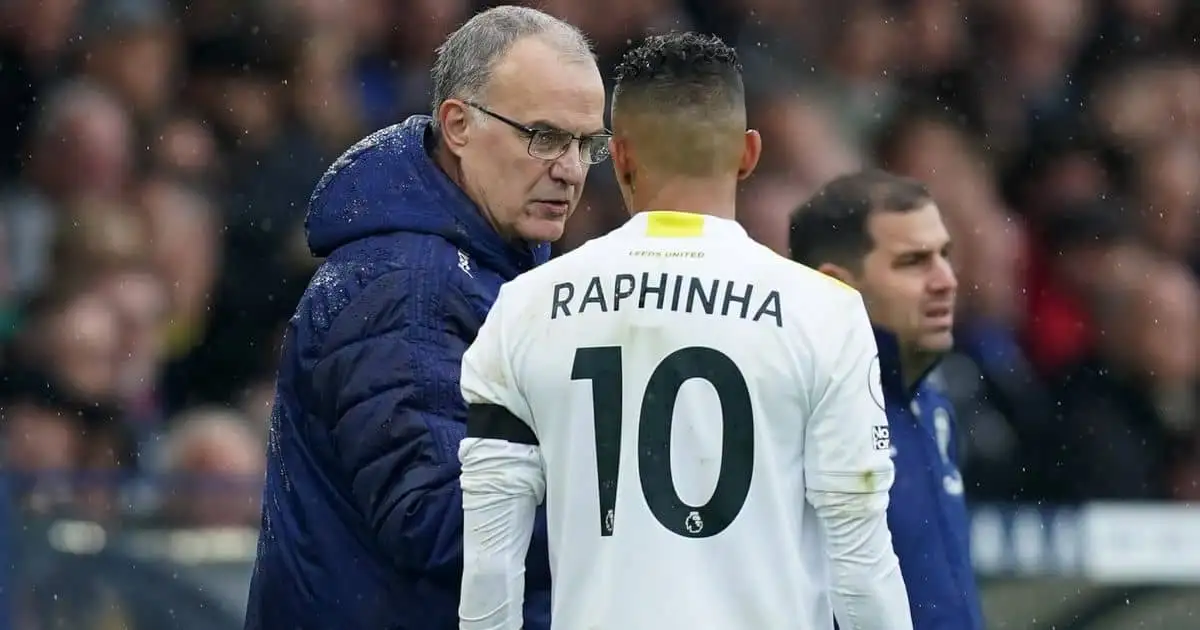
pixel 927 514
pixel 362 511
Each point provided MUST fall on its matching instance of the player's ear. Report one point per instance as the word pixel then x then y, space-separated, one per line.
pixel 839 272
pixel 619 149
pixel 452 121
pixel 750 153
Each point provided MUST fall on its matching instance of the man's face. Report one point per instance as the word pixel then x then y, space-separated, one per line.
pixel 94 156
pixel 141 303
pixel 138 64
pixel 86 343
pixel 236 463
pixel 907 281
pixel 533 84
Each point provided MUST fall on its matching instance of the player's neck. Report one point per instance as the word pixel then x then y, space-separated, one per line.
pixel 698 196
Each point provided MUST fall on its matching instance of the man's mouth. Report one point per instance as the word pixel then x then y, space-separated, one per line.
pixel 940 314
pixel 554 206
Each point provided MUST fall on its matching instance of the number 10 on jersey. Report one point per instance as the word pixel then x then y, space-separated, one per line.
pixel 602 366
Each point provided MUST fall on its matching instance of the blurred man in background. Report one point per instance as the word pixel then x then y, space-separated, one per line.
pixel 420 224
pixel 212 459
pixel 95 165
pixel 883 235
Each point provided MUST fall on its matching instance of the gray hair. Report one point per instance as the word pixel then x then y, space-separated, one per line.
pixel 465 60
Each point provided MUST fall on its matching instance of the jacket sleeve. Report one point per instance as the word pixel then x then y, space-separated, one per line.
pixel 389 381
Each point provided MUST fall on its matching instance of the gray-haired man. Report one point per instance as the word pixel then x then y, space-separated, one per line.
pixel 420 224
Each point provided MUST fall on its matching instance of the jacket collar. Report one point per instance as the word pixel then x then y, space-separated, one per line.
pixel 890 370
pixel 680 224
pixel 472 232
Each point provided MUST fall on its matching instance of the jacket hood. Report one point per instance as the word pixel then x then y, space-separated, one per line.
pixel 388 183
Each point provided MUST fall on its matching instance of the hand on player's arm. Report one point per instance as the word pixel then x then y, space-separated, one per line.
pixel 849 472
pixel 502 482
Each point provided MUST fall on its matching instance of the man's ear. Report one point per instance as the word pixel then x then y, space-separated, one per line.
pixel 750 153
pixel 839 273
pixel 452 117
pixel 622 161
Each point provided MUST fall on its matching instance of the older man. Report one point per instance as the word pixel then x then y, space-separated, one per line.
pixel 420 224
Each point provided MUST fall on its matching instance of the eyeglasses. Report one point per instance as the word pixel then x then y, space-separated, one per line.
pixel 551 144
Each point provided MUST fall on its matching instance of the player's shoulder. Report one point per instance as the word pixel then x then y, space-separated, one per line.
pixel 813 302
pixel 803 282
pixel 811 281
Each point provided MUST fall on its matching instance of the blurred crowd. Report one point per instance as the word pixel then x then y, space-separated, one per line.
pixel 156 158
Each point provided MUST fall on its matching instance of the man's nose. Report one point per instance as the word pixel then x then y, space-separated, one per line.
pixel 569 168
pixel 943 277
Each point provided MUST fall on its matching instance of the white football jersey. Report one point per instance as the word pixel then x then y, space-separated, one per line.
pixel 683 391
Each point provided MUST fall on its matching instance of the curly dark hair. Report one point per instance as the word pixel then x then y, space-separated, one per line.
pixel 680 98
pixel 680 60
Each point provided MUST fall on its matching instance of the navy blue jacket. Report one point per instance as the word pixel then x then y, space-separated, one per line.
pixel 927 513
pixel 362 510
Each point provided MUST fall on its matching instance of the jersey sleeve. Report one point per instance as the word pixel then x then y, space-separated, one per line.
pixel 847 445
pixel 503 481
pixel 487 377
pixel 849 472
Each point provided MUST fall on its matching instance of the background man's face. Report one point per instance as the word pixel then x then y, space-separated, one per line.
pixel 532 84
pixel 85 342
pixel 907 280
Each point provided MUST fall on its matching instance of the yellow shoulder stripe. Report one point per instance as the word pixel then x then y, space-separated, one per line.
pixel 838 282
